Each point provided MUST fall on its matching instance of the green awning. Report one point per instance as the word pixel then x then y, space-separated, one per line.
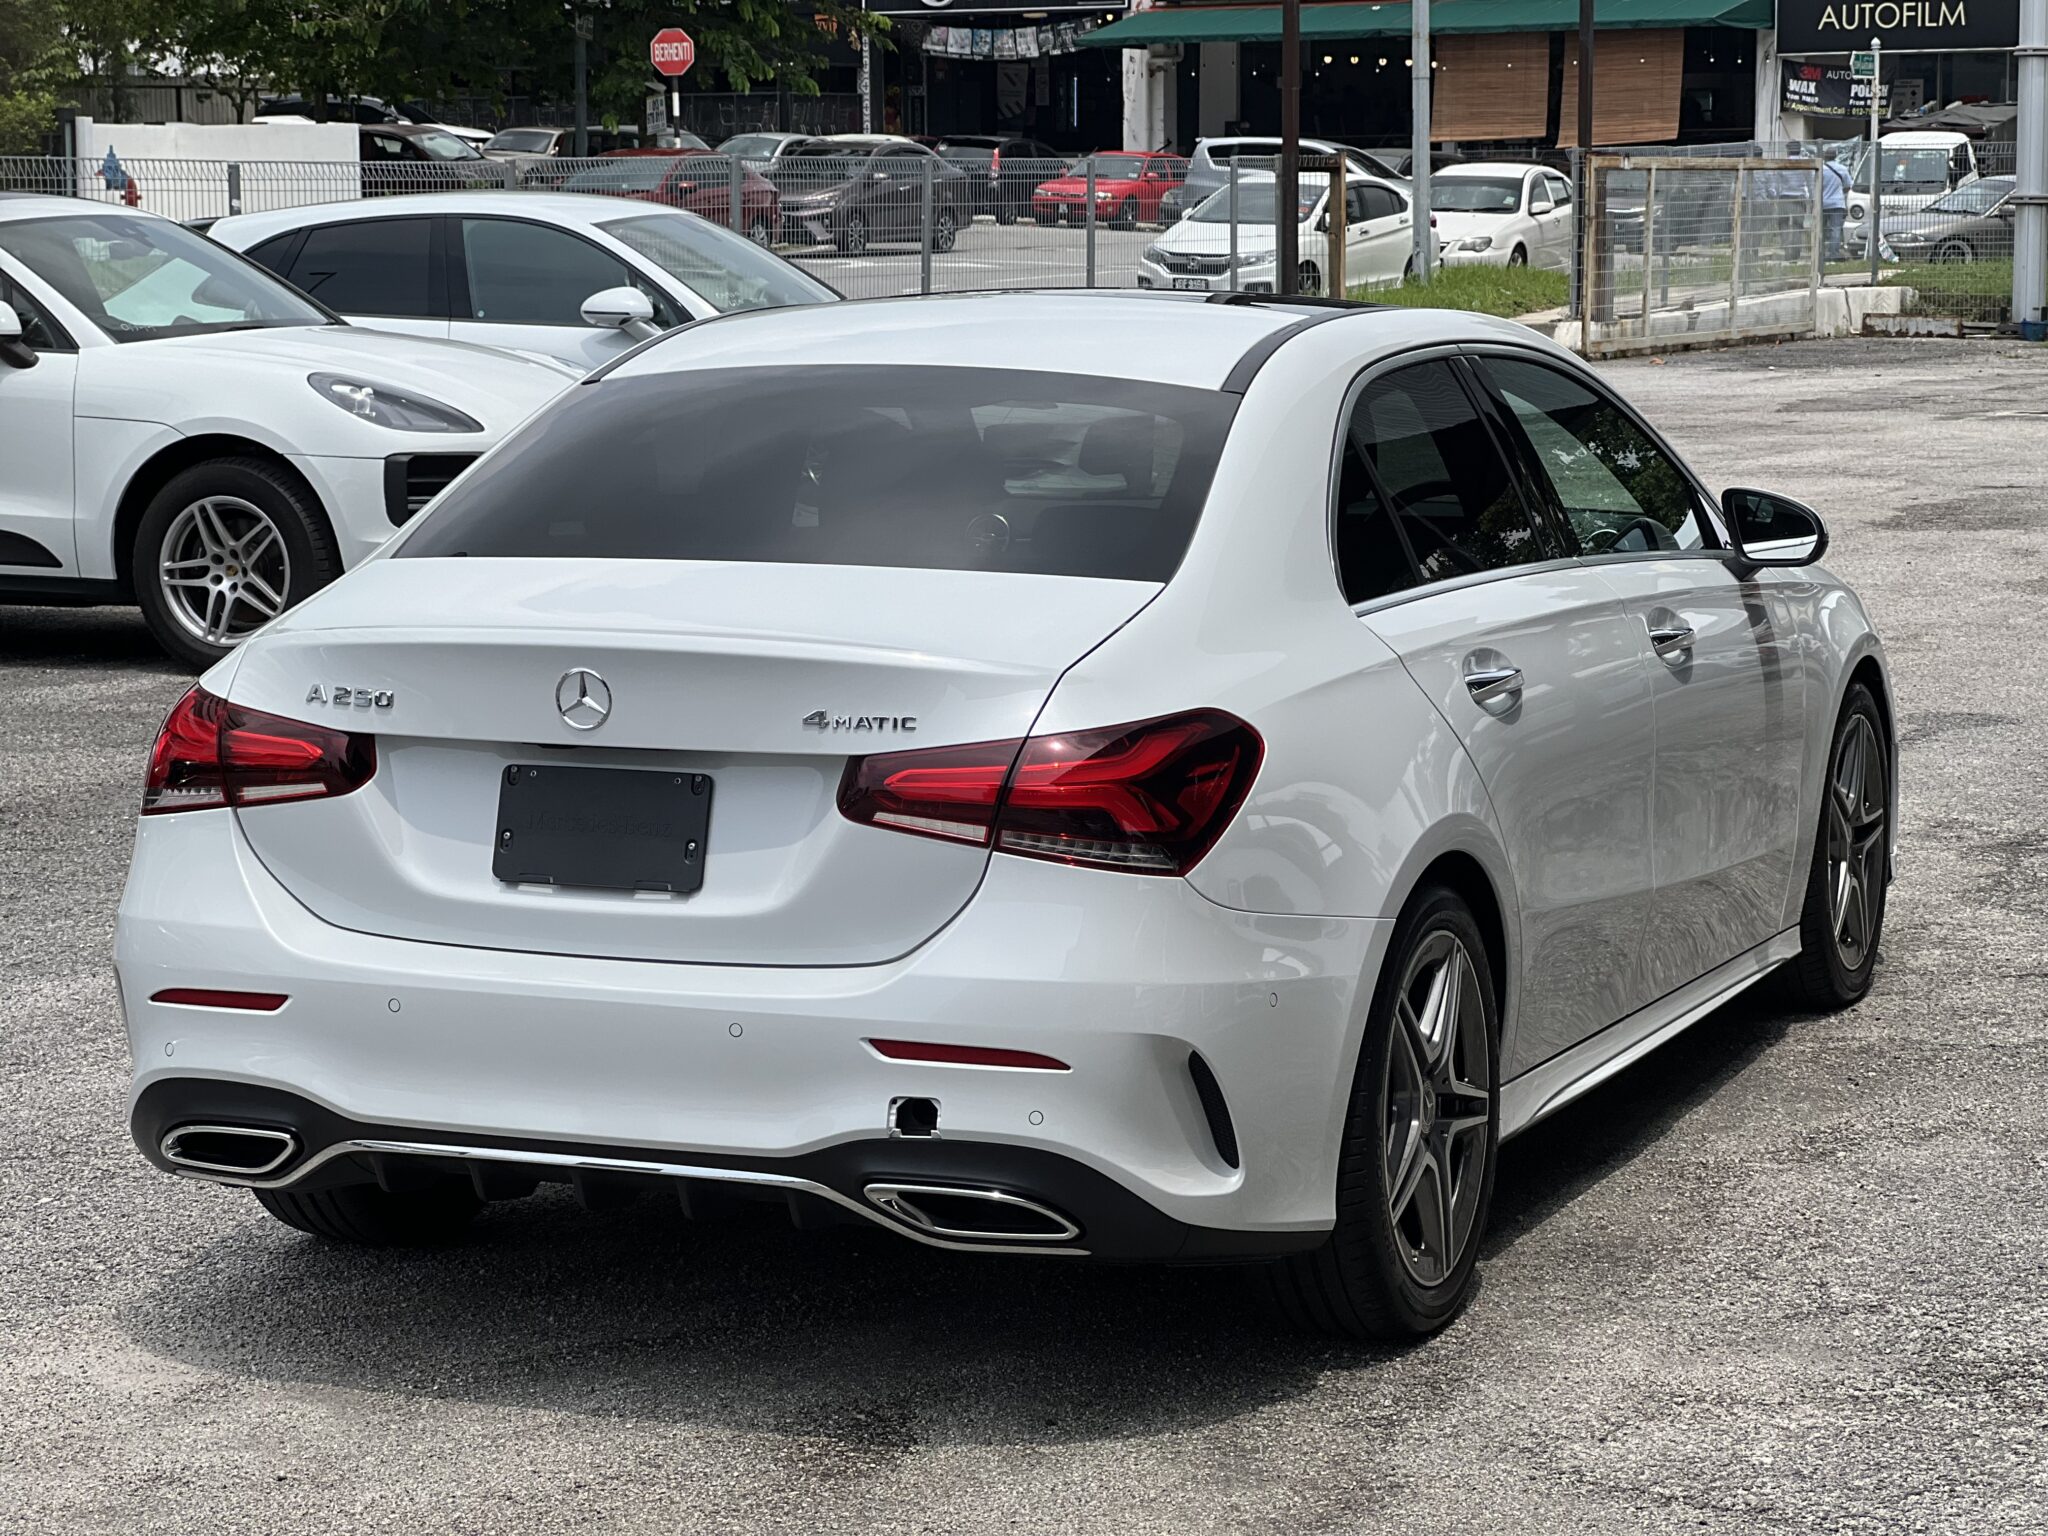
pixel 1261 23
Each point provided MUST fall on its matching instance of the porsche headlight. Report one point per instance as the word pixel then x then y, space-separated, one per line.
pixel 387 407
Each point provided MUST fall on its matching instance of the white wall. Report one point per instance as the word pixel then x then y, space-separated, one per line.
pixel 218 141
pixel 181 169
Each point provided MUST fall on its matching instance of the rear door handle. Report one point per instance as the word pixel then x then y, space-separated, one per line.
pixel 1488 684
pixel 1673 641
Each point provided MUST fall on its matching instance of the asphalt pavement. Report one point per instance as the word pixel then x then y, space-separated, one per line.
pixel 1785 1275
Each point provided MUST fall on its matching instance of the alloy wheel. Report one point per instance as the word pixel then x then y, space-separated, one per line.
pixel 1435 1139
pixel 855 235
pixel 759 232
pixel 1309 278
pixel 223 569
pixel 1856 841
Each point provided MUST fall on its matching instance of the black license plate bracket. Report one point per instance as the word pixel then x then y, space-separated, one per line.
pixel 617 829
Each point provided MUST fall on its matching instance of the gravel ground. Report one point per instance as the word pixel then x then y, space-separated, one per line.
pixel 1787 1274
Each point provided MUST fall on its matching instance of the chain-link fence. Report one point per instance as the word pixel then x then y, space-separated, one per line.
pixel 870 221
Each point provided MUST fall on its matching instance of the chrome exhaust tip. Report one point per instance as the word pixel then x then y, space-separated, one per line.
pixel 228 1151
pixel 992 1215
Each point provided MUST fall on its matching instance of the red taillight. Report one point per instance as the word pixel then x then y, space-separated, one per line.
pixel 967 1055
pixel 213 997
pixel 1150 798
pixel 211 753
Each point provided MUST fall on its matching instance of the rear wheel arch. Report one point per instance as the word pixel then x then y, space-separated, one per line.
pixel 157 471
pixel 1464 876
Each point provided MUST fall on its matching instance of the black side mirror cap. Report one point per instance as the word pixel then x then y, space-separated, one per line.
pixel 1773 530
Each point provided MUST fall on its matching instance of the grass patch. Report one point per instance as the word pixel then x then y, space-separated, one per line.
pixel 1975 290
pixel 1506 291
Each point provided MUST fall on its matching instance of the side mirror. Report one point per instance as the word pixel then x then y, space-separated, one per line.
pixel 620 309
pixel 1542 205
pixel 14 352
pixel 1774 530
pixel 1322 223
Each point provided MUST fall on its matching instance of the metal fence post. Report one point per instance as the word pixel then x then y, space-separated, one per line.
pixel 1233 223
pixel 735 200
pixel 1650 222
pixel 234 187
pixel 1582 191
pixel 924 273
pixel 1339 217
pixel 1089 214
pixel 1735 242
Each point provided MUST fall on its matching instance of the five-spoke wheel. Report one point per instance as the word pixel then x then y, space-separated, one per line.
pixel 1843 918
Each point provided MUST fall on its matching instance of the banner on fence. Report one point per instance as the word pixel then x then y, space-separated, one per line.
pixel 1819 90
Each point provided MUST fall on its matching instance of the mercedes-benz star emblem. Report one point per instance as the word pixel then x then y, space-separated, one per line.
pixel 584 699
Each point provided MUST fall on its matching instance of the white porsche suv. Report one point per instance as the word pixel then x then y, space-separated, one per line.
pixel 180 430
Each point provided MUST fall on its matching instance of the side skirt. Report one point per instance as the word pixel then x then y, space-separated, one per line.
pixel 1544 1089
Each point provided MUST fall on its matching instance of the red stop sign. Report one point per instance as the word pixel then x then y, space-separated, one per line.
pixel 672 53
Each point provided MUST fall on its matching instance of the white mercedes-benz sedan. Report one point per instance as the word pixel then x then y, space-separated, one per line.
pixel 180 430
pixel 1186 784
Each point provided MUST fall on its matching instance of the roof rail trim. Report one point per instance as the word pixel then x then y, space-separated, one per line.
pixel 1248 366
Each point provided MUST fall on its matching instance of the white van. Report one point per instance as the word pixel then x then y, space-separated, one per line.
pixel 1914 169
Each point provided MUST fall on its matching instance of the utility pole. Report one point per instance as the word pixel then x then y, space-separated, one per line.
pixel 2030 167
pixel 1418 168
pixel 1287 200
pixel 1585 81
pixel 582 24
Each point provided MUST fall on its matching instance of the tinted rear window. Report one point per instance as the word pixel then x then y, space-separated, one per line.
pixel 936 468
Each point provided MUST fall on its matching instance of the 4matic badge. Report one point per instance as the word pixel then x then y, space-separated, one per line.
pixel 819 720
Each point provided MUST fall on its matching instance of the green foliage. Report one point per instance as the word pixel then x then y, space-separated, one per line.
pixel 1508 291
pixel 31 47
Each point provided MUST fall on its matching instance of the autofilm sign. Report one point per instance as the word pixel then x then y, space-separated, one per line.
pixel 1820 90
pixel 1924 26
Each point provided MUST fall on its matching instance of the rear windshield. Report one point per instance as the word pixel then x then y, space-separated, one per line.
pixel 937 468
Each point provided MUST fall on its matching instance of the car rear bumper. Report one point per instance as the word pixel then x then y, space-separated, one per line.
pixel 732 1075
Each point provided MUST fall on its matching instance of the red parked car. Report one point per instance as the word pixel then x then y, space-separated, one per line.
pixel 1128 186
pixel 698 180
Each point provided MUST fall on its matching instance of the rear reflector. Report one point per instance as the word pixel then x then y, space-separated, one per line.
pixel 211 753
pixel 1150 798
pixel 967 1055
pixel 210 997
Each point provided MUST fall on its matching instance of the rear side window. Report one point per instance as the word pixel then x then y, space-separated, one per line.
pixel 377 267
pixel 1434 464
pixel 935 468
pixel 530 274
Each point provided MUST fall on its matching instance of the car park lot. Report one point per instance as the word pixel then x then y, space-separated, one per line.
pixel 986 255
pixel 1784 1274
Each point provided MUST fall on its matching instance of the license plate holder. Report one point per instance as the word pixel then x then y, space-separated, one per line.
pixel 616 829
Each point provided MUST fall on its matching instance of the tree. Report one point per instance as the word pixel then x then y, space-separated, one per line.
pixel 31 45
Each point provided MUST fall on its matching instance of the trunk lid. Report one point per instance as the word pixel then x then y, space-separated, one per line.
pixel 766 678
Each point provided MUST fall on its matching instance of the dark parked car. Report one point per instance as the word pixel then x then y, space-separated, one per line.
pixel 697 179
pixel 417 157
pixel 1972 223
pixel 1004 170
pixel 852 190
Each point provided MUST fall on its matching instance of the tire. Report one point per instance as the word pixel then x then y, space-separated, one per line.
pixel 370 1217
pixel 760 232
pixel 1374 1277
pixel 853 234
pixel 1841 924
pixel 944 231
pixel 1519 256
pixel 202 519
pixel 1006 213
pixel 1126 215
pixel 1309 278
pixel 1954 252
